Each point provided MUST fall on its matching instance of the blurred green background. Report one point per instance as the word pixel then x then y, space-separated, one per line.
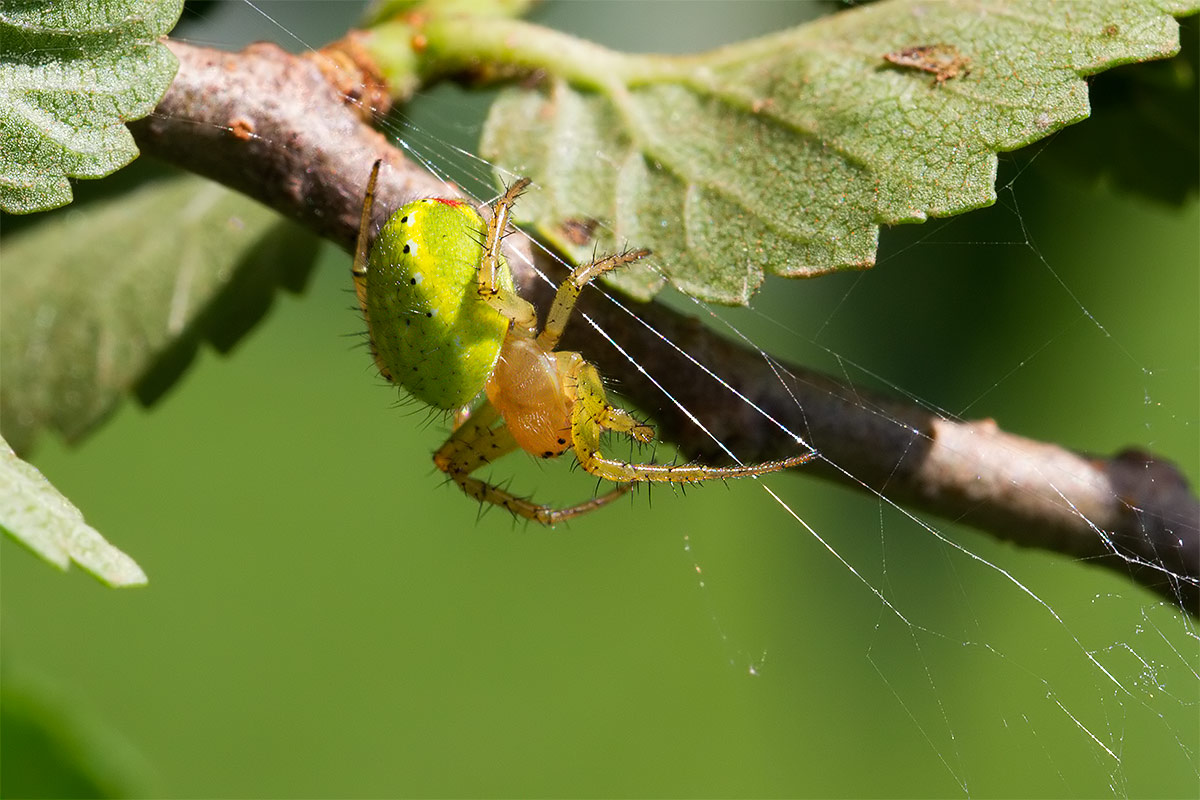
pixel 326 618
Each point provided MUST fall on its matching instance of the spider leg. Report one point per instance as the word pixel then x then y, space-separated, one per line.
pixel 621 421
pixel 503 301
pixel 477 443
pixel 568 293
pixel 358 270
pixel 592 414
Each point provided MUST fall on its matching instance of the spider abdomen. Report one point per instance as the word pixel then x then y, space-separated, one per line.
pixel 430 330
pixel 527 387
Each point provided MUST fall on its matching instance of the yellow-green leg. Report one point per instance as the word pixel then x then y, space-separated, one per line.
pixel 358 270
pixel 593 414
pixel 568 293
pixel 475 444
pixel 507 303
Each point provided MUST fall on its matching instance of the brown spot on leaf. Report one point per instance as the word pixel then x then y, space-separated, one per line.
pixel 943 61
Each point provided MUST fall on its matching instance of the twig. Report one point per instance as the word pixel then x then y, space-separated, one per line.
pixel 272 126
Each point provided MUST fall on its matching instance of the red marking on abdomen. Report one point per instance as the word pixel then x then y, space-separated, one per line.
pixel 447 201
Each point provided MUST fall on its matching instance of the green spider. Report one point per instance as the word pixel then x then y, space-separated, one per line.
pixel 445 323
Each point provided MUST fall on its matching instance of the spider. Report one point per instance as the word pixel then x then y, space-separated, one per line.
pixel 445 323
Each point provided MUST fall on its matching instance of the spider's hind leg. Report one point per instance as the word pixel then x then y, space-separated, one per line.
pixel 358 270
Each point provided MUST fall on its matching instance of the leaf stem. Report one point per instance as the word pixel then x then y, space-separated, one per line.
pixel 503 49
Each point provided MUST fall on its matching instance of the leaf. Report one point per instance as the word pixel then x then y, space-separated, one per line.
pixel 71 75
pixel 136 284
pixel 34 513
pixel 1144 134
pixel 786 153
pixel 52 747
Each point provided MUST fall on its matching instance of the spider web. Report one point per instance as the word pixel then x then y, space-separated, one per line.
pixel 785 636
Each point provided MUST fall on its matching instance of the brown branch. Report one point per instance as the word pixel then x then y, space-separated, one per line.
pixel 271 125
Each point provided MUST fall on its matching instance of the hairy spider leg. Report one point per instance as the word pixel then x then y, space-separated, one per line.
pixel 509 304
pixel 568 293
pixel 475 444
pixel 592 413
pixel 358 270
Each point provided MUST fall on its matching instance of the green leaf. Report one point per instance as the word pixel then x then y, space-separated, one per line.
pixel 51 747
pixel 135 285
pixel 72 73
pixel 1144 134
pixel 34 513
pixel 785 154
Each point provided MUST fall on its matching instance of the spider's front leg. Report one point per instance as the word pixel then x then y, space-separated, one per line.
pixel 478 442
pixel 568 293
pixel 491 291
